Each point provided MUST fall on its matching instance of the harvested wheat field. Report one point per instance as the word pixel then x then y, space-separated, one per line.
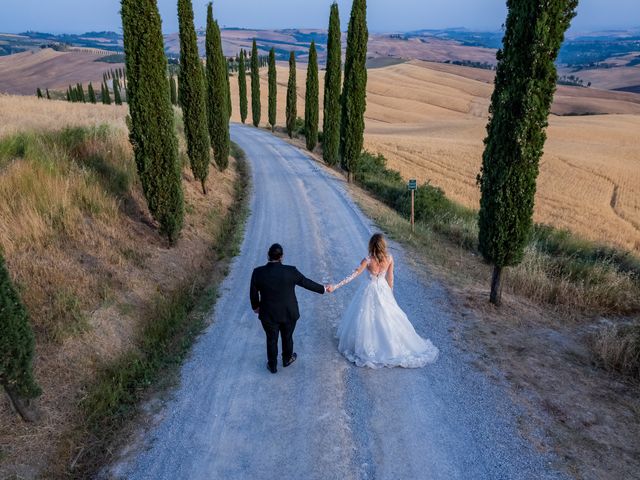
pixel 429 120
pixel 22 73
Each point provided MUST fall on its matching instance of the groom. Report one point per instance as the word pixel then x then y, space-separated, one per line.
pixel 273 298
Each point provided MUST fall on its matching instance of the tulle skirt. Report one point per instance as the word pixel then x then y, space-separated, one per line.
pixel 374 331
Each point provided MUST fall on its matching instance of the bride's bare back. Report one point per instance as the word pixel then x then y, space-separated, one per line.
pixel 374 267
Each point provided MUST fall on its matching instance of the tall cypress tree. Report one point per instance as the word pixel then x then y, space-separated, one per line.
pixel 354 96
pixel 48 96
pixel 193 94
pixel 80 91
pixel 69 99
pixel 107 98
pixel 332 90
pixel 242 86
pixel 312 106
pixel 524 87
pixel 217 92
pixel 152 130
pixel 17 343
pixel 256 106
pixel 292 96
pixel 39 92
pixel 229 104
pixel 91 93
pixel 173 88
pixel 117 98
pixel 273 89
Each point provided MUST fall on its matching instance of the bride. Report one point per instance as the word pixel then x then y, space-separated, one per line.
pixel 374 331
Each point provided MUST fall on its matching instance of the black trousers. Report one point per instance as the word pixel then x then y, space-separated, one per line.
pixel 285 330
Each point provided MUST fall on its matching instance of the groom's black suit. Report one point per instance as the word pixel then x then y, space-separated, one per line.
pixel 273 295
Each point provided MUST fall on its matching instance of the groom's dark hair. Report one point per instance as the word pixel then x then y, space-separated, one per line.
pixel 275 252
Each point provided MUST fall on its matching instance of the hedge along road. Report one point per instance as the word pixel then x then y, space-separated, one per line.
pixel 324 418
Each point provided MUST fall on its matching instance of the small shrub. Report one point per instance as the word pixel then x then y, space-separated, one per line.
pixel 618 348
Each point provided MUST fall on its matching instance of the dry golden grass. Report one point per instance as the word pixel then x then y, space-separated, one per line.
pixel 23 114
pixel 429 121
pixel 85 254
pixel 618 348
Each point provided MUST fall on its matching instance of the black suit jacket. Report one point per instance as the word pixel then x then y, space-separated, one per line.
pixel 273 291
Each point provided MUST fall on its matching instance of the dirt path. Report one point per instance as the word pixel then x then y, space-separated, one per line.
pixel 324 418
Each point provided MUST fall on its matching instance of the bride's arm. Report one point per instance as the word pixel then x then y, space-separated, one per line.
pixel 353 275
pixel 390 273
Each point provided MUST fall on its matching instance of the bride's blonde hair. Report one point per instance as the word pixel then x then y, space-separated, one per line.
pixel 378 248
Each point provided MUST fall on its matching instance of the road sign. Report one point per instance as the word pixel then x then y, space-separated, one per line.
pixel 413 186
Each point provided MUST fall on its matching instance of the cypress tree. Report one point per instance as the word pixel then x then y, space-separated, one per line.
pixel 152 132
pixel 311 104
pixel 354 97
pixel 292 96
pixel 17 343
pixel 39 92
pixel 192 93
pixel 524 87
pixel 229 105
pixel 92 93
pixel 174 90
pixel 116 92
pixel 103 96
pixel 242 85
pixel 332 89
pixel 217 92
pixel 273 89
pixel 80 91
pixel 72 94
pixel 48 96
pixel 256 106
pixel 107 96
pixel 68 96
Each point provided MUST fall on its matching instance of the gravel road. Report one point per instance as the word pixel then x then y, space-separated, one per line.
pixel 324 418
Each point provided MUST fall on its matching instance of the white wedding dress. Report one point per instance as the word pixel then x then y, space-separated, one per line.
pixel 374 331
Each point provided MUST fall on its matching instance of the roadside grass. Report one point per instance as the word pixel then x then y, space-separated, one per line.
pixel 171 326
pixel 54 186
pixel 618 349
pixel 51 180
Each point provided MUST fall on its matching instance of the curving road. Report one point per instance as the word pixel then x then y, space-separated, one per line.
pixel 324 418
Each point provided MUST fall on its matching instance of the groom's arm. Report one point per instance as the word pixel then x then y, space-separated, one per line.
pixel 307 284
pixel 254 295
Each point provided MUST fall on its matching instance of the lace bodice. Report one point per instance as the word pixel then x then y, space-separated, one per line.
pixel 372 275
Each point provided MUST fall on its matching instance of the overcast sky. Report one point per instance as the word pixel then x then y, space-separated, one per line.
pixel 78 16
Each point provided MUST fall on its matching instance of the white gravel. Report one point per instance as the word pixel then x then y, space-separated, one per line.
pixel 324 418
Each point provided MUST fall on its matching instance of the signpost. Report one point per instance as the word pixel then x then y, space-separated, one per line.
pixel 413 186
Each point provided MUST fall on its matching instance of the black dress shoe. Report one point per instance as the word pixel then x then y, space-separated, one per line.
pixel 291 360
pixel 273 369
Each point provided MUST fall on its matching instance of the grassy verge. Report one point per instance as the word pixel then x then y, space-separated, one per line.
pixel 171 327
